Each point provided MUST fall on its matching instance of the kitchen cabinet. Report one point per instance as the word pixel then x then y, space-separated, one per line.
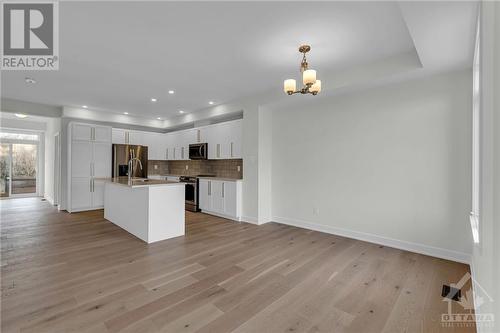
pixel 224 139
pixel 156 142
pixel 89 150
pixel 81 132
pixel 135 138
pixel 220 198
pixel 81 195
pixel 217 194
pixel 204 197
pixel 156 145
pixel 102 134
pixel 170 147
pixel 235 138
pixel 119 136
pixel 123 136
pixel 177 144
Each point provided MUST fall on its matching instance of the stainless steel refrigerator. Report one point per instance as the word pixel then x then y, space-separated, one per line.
pixel 121 157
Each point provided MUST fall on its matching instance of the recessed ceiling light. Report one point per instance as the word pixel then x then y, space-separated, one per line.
pixel 30 80
pixel 171 92
pixel 211 103
pixel 20 115
pixel 84 106
pixel 125 112
pixel 159 118
pixel 181 111
pixel 153 100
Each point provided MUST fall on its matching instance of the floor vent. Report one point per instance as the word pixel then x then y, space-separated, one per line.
pixel 43 199
pixel 451 293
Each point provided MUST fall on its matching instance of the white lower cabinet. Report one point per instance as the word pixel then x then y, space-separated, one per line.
pixel 221 198
pixel 98 194
pixel 81 194
pixel 217 194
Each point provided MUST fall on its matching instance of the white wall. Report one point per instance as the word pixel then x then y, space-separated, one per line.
pixel 486 254
pixel 53 127
pixel 390 164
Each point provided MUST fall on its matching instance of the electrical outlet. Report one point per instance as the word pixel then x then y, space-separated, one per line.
pixel 239 168
pixel 156 167
pixel 187 167
pixel 315 211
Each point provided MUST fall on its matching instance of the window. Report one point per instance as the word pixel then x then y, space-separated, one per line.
pixel 476 118
pixel 18 136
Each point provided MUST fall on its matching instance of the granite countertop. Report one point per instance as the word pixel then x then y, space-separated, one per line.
pixel 142 182
pixel 202 177
pixel 222 178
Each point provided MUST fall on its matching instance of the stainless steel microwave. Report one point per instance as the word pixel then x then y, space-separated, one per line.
pixel 198 151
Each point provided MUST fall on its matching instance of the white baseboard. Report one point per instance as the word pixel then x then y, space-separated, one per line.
pixel 250 219
pixel 49 199
pixel 229 217
pixel 390 242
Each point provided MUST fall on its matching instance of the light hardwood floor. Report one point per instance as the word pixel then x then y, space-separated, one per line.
pixel 80 273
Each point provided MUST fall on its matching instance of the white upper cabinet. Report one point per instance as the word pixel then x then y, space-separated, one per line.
pixel 224 141
pixel 90 132
pixel 177 144
pixel 235 138
pixel 102 134
pixel 156 145
pixel 82 132
pixel 119 136
pixel 135 138
pixel 123 136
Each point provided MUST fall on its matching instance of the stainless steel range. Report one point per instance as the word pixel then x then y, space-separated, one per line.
pixel 192 191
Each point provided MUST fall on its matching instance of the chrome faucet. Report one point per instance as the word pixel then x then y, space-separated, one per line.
pixel 131 165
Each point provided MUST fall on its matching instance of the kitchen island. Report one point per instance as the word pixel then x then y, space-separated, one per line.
pixel 152 210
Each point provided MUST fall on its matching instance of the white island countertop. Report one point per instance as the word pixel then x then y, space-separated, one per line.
pixel 152 210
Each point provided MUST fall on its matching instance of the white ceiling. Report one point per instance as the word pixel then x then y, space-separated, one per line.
pixel 116 56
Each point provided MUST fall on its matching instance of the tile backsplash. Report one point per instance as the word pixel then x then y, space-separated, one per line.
pixel 219 168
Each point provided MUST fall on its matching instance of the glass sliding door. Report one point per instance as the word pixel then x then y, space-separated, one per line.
pixel 5 170
pixel 18 164
pixel 24 165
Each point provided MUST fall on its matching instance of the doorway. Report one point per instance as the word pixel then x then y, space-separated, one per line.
pixel 19 154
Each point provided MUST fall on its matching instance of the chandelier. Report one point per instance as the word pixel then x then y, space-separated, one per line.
pixel 311 85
